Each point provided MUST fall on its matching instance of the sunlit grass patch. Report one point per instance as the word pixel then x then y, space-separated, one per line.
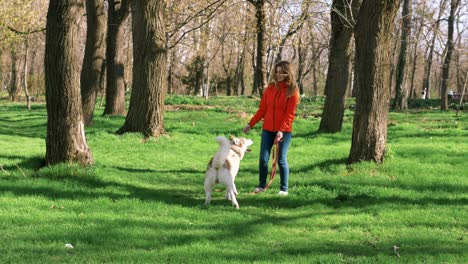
pixel 142 201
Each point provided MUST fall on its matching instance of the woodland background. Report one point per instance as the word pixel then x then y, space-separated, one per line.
pixel 212 44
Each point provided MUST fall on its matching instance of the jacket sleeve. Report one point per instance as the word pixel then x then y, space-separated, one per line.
pixel 290 112
pixel 261 110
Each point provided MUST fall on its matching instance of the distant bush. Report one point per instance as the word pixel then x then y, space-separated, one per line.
pixel 430 104
pixel 185 100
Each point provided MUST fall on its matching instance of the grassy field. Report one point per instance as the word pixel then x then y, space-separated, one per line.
pixel 142 200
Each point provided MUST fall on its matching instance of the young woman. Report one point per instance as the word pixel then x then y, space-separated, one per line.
pixel 277 109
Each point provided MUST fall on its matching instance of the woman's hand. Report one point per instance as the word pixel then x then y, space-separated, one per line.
pixel 279 137
pixel 246 129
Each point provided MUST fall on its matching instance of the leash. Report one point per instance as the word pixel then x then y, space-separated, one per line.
pixel 274 157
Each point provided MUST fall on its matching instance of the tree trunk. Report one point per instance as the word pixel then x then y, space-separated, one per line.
pixel 415 56
pixel 373 43
pixel 427 67
pixel 401 95
pixel 314 76
pixel 448 56
pixel 65 141
pixel 259 82
pixel 146 110
pixel 25 74
pixel 95 52
pixel 338 68
pixel 115 90
pixel 13 87
pixel 350 88
pixel 170 74
pixel 301 57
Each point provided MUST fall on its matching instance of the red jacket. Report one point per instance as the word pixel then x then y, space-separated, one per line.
pixel 277 110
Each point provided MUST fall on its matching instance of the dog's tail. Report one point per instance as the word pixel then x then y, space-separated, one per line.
pixel 221 156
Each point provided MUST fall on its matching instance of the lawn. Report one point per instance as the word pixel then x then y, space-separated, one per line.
pixel 142 201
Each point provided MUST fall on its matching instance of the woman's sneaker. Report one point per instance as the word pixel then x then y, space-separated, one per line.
pixel 259 190
pixel 283 193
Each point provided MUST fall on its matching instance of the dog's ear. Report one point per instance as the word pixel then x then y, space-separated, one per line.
pixel 235 140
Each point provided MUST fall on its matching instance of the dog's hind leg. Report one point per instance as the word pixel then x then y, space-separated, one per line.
pixel 230 192
pixel 210 181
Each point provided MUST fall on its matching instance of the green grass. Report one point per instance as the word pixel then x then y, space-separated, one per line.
pixel 142 200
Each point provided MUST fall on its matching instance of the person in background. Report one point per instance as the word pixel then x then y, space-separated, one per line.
pixel 424 94
pixel 277 109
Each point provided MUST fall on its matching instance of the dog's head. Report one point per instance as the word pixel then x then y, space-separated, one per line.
pixel 242 143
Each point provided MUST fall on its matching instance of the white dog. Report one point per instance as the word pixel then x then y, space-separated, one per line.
pixel 223 167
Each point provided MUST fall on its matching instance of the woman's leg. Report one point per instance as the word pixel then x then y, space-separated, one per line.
pixel 283 160
pixel 265 149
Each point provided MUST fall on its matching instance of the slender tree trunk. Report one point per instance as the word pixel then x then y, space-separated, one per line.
pixel 350 88
pixel 65 141
pixel 115 90
pixel 146 110
pixel 13 87
pixel 301 54
pixel 393 62
pixel 401 95
pixel 338 68
pixel 373 51
pixel 260 66
pixel 170 75
pixel 427 67
pixel 448 56
pixel 415 52
pixel 314 76
pixel 94 57
pixel 25 74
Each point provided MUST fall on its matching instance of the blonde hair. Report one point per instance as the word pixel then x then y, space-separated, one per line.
pixel 287 68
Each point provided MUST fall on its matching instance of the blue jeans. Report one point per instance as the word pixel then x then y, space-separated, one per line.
pixel 265 150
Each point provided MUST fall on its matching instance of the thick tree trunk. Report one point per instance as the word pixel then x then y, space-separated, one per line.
pixel 338 68
pixel 373 44
pixel 448 56
pixel 65 141
pixel 115 86
pixel 94 57
pixel 260 66
pixel 146 110
pixel 401 95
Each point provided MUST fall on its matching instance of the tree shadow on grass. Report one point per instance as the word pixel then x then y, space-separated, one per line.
pixel 182 188
pixel 31 163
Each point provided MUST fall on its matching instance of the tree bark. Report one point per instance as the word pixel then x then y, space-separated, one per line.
pixel 146 110
pixel 259 82
pixel 13 87
pixel 373 44
pixel 338 68
pixel 448 56
pixel 94 57
pixel 115 86
pixel 301 57
pixel 401 95
pixel 25 74
pixel 65 141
